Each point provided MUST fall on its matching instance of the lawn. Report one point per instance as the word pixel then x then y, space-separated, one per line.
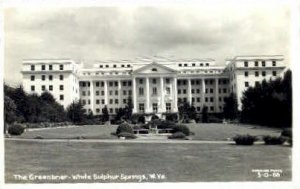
pixel 202 132
pixel 177 162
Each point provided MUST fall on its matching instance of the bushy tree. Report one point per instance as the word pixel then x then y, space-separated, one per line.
pixel 186 111
pixel 269 103
pixel 75 112
pixel 230 110
pixel 205 114
pixel 9 112
pixel 105 115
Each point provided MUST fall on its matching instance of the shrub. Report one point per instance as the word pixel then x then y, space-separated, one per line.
pixel 124 127
pixel 287 133
pixel 16 129
pixel 244 139
pixel 273 140
pixel 181 128
pixel 177 135
pixel 38 137
pixel 126 135
pixel 171 117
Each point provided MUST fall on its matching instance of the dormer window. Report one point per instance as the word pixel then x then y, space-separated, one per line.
pixel 115 66
pixel 154 69
pixel 101 66
pixel 106 66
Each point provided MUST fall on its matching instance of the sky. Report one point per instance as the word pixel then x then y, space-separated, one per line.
pixel 89 34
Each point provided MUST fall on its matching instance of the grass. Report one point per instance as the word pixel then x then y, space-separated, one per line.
pixel 178 162
pixel 218 132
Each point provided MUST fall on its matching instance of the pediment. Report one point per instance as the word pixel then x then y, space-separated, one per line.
pixel 154 68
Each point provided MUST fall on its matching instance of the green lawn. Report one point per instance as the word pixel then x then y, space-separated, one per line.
pixel 178 162
pixel 202 132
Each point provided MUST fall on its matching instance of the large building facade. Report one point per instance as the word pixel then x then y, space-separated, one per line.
pixel 158 86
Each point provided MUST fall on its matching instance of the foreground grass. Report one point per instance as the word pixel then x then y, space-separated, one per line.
pixel 178 162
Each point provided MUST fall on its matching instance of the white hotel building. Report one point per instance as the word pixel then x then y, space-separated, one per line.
pixel 157 86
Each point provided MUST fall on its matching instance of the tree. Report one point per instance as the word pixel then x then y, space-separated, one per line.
pixel 75 112
pixel 269 103
pixel 105 115
pixel 230 110
pixel 9 112
pixel 187 111
pixel 47 97
pixel 129 108
pixel 205 114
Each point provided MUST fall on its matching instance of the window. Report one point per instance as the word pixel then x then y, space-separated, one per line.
pixel 263 63
pixel 168 107
pixel 43 77
pixel 154 91
pixel 83 102
pixel 220 90
pixel 61 87
pixel 50 77
pixel 206 64
pixel 116 101
pixel 102 93
pixel 61 97
pixel 154 107
pixel 128 65
pixel 192 82
pixel 141 108
pixel 124 92
pixel 193 64
pixel 246 74
pixel 179 91
pixel 61 67
pixel 88 93
pixel 111 110
pixel 198 99
pixel 97 110
pixel 224 90
pixel 274 73
pixel 206 91
pixel 97 101
pixel 185 65
pixel 193 100
pixel 220 99
pixel 97 93
pixel 115 66
pixel 110 83
pixel 184 91
pixel 97 84
pixel 274 63
pixel 116 84
pixel 246 64
pixel 167 80
pixel 141 81
pixel 116 92
pixel 129 83
pixel 32 68
pixel 178 82
pixel 32 78
pixel 122 65
pixel 61 77
pixel 256 74
pixel 198 91
pixel 180 65
pixel 201 64
pixel 50 67
pixel 110 93
pixel 102 101
pixel 154 69
pixel 154 81
pixel 211 99
pixel 256 63
pixel 141 91
pixel 124 101
pixel 212 108
pixel 50 88
pixel 256 83
pixel 193 91
pixel 43 67
pixel 211 90
pixel 124 83
pixel 32 88
pixel 263 73
pixel 206 99
pixel 111 101
pixel 129 92
pixel 101 66
pixel 168 90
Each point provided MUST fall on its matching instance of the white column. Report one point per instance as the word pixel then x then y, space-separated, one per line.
pixel 175 108
pixel 217 95
pixel 92 96
pixel 119 93
pixel 147 96
pixel 105 93
pixel 162 95
pixel 134 95
pixel 189 91
pixel 203 92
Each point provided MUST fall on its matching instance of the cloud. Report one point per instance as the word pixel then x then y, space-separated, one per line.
pixel 95 33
